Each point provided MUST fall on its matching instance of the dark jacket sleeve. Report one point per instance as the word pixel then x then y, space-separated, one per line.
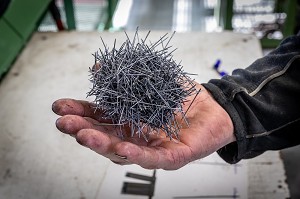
pixel 263 102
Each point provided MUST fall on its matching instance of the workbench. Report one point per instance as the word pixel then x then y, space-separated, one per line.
pixel 37 161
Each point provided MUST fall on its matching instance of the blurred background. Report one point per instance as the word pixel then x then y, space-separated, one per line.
pixel 269 20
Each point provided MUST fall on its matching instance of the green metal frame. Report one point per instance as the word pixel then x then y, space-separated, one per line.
pixel 290 8
pixel 110 10
pixel 111 7
pixel 224 14
pixel 22 18
pixel 70 16
pixel 16 26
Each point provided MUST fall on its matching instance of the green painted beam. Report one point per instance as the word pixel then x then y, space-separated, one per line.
pixel 24 15
pixel 290 21
pixel 16 26
pixel 10 45
pixel 69 8
pixel 224 14
pixel 111 7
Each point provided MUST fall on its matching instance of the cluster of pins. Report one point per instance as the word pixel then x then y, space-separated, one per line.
pixel 141 87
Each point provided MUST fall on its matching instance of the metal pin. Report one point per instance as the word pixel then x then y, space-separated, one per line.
pixel 141 86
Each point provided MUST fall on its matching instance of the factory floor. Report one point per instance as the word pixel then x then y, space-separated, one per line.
pixel 291 157
pixel 181 16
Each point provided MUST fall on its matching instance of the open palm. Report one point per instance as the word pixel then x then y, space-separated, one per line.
pixel 210 128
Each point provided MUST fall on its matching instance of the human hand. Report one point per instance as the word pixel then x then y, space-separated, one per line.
pixel 210 128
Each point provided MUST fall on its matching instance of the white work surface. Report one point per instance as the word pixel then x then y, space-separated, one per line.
pixel 37 162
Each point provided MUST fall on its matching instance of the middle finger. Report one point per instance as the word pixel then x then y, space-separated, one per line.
pixel 71 124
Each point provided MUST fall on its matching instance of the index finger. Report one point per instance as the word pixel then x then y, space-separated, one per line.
pixel 76 107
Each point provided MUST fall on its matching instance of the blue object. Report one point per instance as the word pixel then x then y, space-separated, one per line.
pixel 217 64
pixel 216 68
pixel 223 73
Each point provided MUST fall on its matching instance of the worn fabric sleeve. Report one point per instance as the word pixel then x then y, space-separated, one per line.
pixel 263 102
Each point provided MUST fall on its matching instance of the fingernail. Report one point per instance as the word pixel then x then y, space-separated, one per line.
pixel 60 126
pixel 80 142
pixel 120 163
pixel 54 107
pixel 57 122
pixel 120 156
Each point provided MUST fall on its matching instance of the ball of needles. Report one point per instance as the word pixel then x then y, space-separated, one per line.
pixel 140 86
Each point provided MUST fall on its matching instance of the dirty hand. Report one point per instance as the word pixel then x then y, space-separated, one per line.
pixel 210 128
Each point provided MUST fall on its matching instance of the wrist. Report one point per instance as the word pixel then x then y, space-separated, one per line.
pixel 222 124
